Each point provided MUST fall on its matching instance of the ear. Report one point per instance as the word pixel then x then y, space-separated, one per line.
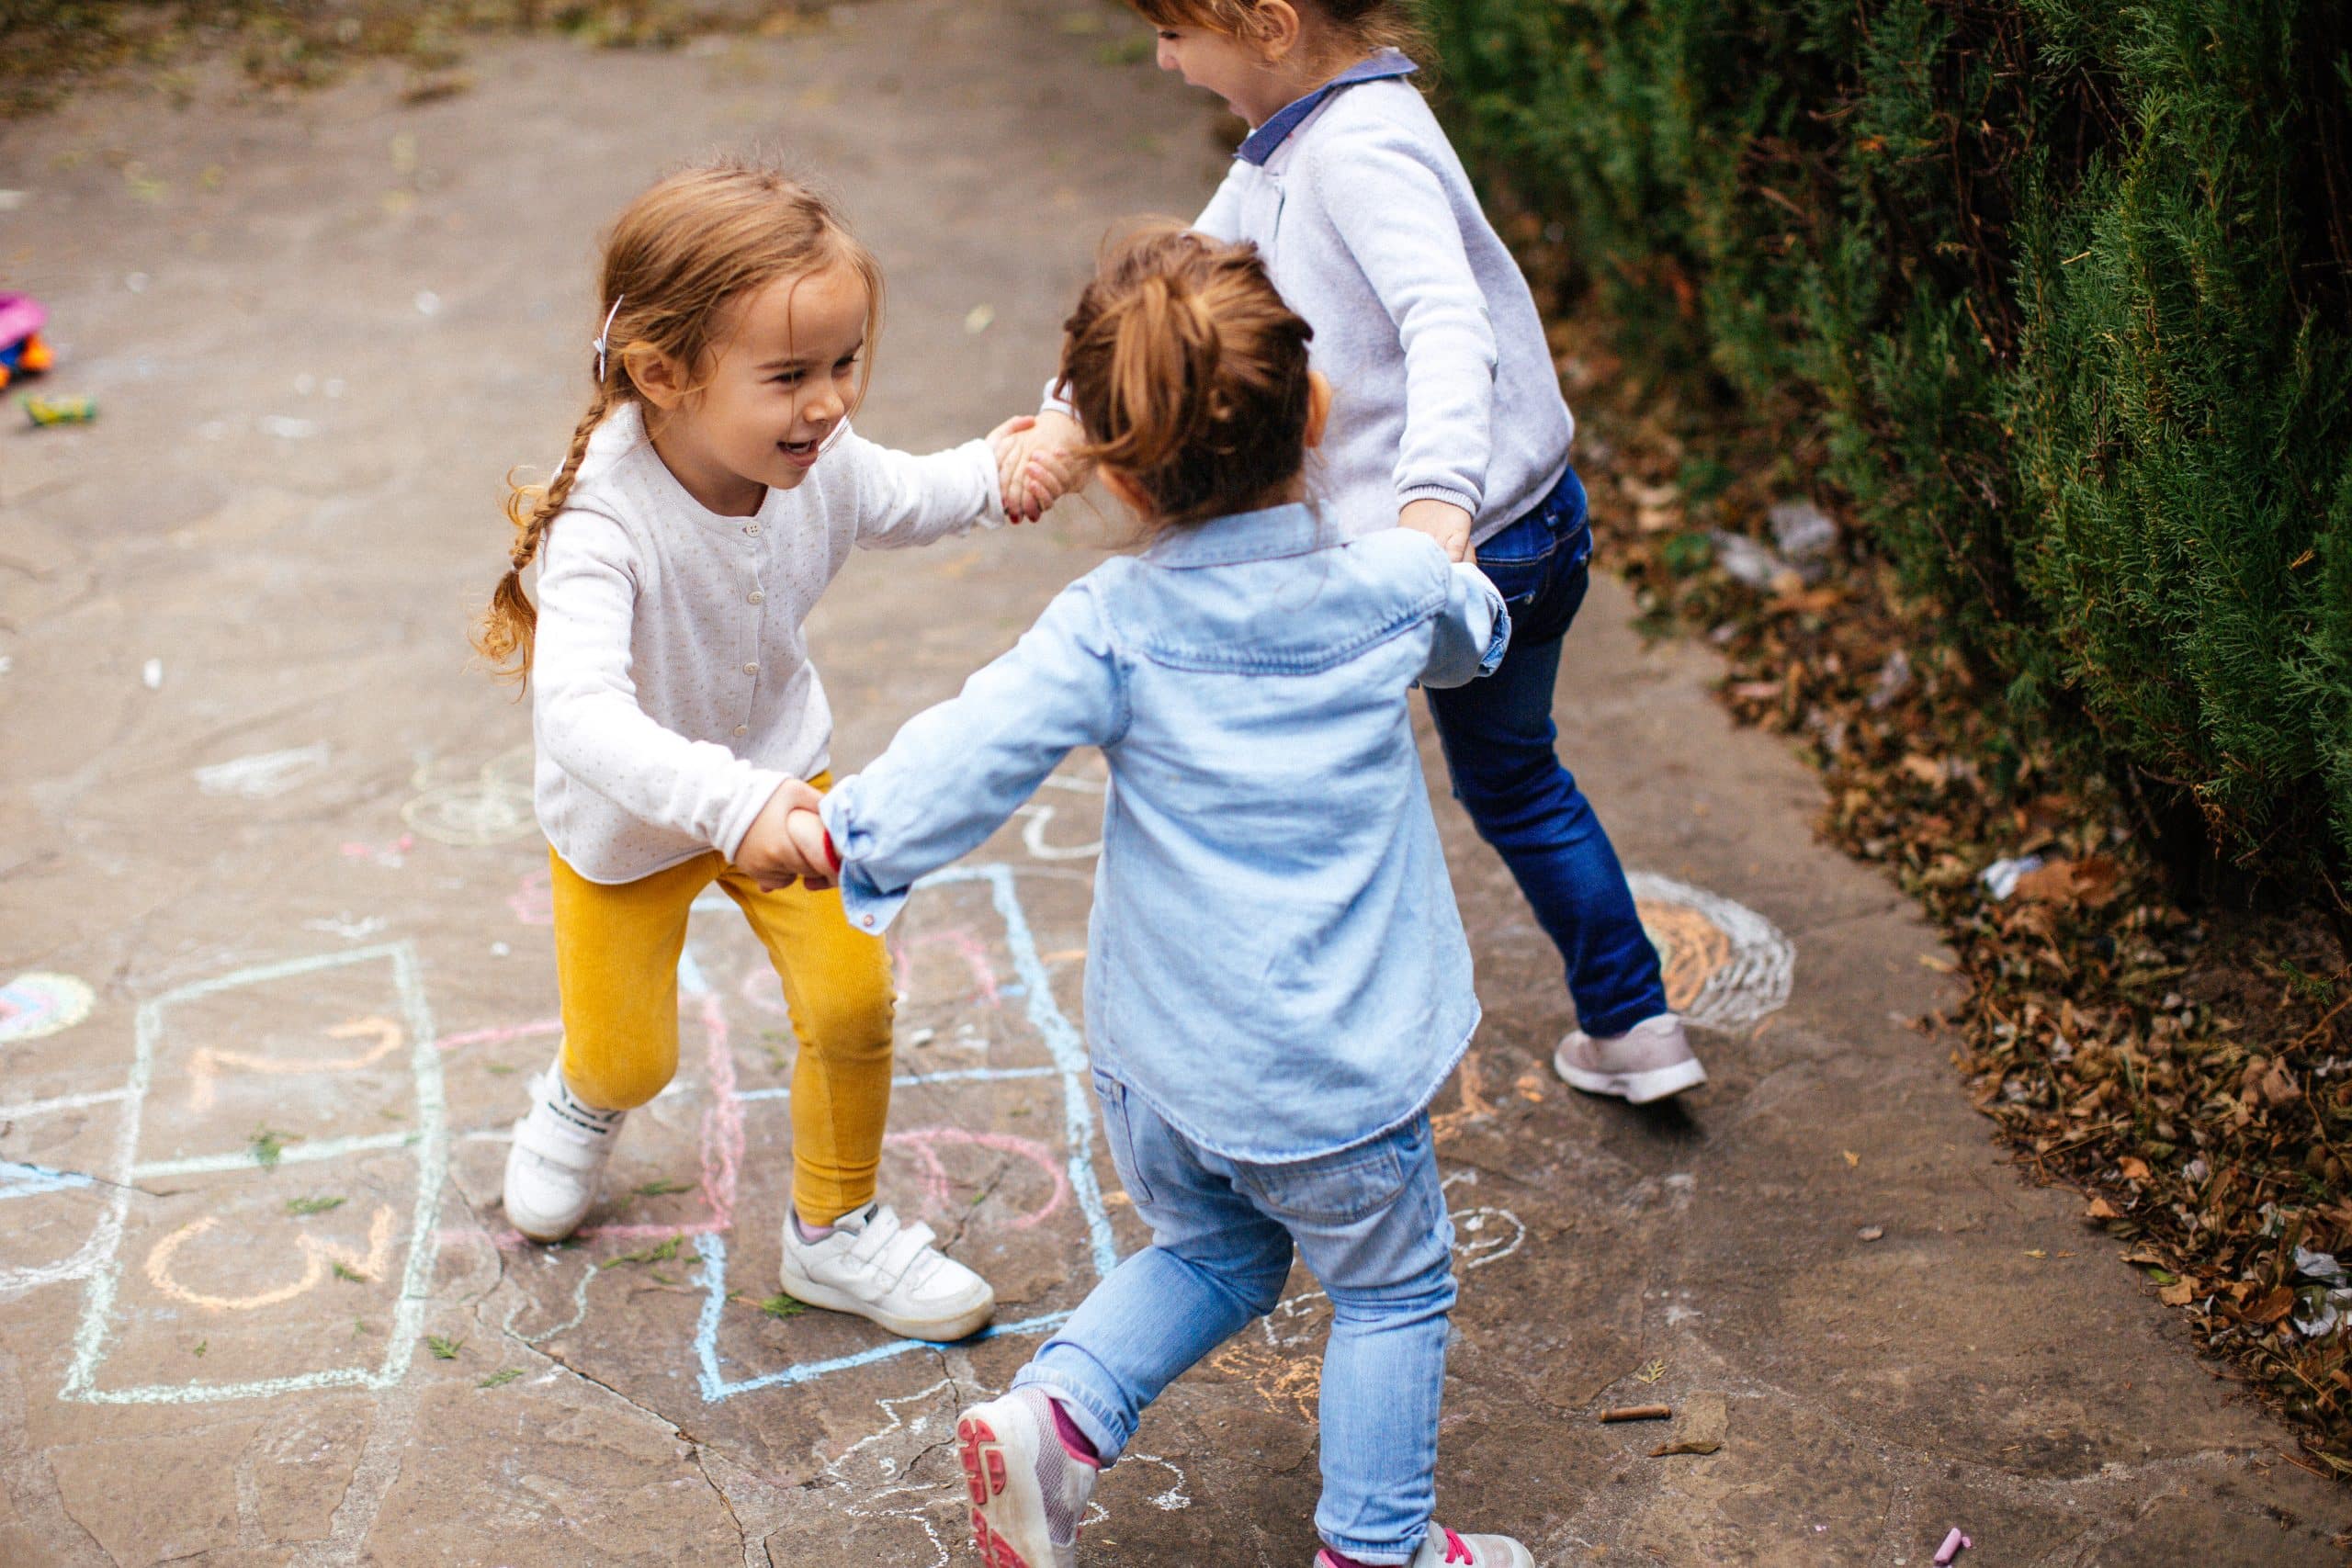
pixel 1318 407
pixel 1279 26
pixel 1123 487
pixel 662 379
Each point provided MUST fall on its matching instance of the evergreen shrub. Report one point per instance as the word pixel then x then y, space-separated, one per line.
pixel 2065 288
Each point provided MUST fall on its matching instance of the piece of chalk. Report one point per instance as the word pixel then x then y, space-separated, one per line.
pixel 1954 1544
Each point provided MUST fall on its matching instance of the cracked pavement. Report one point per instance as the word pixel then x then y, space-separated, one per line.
pixel 320 329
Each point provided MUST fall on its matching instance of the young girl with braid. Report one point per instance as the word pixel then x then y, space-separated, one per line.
pixel 711 492
pixel 1276 979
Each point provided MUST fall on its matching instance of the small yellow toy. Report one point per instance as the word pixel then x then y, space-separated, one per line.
pixel 59 410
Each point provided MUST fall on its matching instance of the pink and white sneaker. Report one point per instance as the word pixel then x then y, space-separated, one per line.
pixel 1649 1061
pixel 1443 1549
pixel 1028 1490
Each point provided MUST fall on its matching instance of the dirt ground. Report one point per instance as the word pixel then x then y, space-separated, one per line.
pixel 275 949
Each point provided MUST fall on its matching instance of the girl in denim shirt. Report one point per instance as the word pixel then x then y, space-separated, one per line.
pixel 1448 420
pixel 1277 981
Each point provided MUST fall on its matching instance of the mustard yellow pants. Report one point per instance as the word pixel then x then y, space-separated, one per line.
pixel 616 951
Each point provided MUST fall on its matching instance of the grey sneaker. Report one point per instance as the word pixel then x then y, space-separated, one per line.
pixel 1443 1549
pixel 1028 1495
pixel 1647 1061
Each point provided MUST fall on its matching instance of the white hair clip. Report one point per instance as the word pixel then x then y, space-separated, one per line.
pixel 602 344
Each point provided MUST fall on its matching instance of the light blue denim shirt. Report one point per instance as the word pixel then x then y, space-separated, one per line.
pixel 1274 961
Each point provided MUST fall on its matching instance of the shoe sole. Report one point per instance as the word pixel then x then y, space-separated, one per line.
pixel 1635 1088
pixel 988 1469
pixel 938 1331
pixel 545 1235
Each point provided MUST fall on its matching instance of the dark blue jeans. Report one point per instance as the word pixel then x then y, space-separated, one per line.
pixel 1498 739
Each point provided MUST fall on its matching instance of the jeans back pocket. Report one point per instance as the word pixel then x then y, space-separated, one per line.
pixel 1333 1189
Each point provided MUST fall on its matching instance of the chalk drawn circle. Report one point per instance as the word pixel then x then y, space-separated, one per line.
pixel 37 1003
pixel 1726 967
pixel 472 816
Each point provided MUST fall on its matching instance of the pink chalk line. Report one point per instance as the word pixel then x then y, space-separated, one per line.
pixel 938 1192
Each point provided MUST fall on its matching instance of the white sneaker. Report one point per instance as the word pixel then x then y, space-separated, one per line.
pixel 1028 1494
pixel 1649 1061
pixel 871 1264
pixel 1443 1549
pixel 557 1159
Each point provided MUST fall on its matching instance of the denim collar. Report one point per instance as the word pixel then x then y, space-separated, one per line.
pixel 1260 143
pixel 1297 529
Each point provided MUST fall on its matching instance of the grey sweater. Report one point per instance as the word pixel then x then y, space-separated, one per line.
pixel 1444 385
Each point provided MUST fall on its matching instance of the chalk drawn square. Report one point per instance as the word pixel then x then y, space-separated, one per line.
pixel 320 1057
pixel 999 1044
pixel 223 1247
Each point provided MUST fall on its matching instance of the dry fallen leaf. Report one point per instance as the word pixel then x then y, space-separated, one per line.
pixel 2275 1304
pixel 2101 1209
pixel 2091 882
pixel 1929 772
pixel 2133 1167
pixel 2179 1294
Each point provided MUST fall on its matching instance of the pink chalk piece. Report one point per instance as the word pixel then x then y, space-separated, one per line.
pixel 1954 1544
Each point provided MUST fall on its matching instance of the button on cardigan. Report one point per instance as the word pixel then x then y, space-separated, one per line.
pixel 672 690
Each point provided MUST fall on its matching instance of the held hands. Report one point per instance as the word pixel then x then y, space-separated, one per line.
pixel 1036 462
pixel 1441 519
pixel 788 842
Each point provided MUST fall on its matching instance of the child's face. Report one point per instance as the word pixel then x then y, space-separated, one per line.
pixel 782 383
pixel 1250 85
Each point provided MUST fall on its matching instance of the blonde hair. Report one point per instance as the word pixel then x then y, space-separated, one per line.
pixel 675 260
pixel 1189 374
pixel 1360 24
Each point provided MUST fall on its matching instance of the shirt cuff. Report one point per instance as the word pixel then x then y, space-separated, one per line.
pixel 1051 401
pixel 992 514
pixel 870 909
pixel 1498 640
pixel 1460 498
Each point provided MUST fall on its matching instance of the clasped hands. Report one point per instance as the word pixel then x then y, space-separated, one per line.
pixel 1036 462
pixel 787 842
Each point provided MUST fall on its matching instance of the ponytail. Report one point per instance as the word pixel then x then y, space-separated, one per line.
pixel 1189 374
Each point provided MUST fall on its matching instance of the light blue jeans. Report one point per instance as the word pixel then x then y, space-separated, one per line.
pixel 1370 1222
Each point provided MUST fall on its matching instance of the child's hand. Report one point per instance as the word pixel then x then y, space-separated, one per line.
pixel 1036 463
pixel 816 846
pixel 1441 519
pixel 772 853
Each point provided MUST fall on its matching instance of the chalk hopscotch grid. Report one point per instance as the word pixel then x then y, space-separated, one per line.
pixel 97 1260
pixel 430 1141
